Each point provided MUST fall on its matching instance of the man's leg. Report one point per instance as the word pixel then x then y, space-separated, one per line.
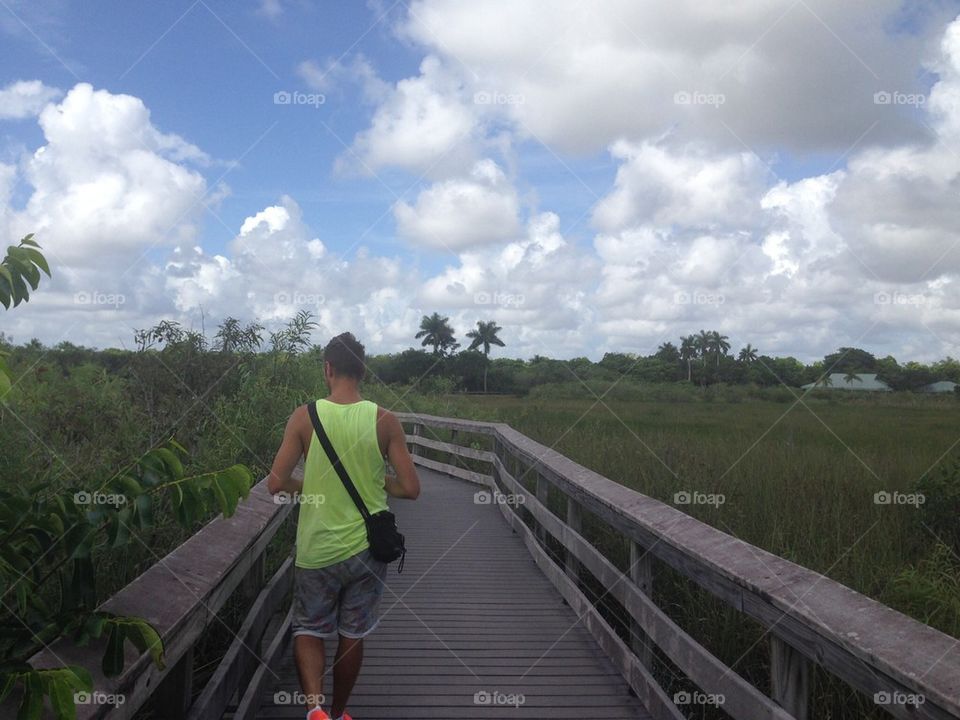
pixel 308 652
pixel 346 668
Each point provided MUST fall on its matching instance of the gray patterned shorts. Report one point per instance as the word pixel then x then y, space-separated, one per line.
pixel 341 598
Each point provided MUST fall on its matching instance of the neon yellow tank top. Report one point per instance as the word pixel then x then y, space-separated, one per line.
pixel 330 528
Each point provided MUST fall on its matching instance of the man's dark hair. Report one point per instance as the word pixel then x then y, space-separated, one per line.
pixel 346 355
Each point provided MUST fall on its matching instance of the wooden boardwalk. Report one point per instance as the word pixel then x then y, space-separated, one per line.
pixel 470 629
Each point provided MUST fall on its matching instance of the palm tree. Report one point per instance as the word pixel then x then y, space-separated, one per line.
pixel 702 340
pixel 719 345
pixel 435 330
pixel 688 351
pixel 485 335
pixel 667 352
pixel 852 377
pixel 825 380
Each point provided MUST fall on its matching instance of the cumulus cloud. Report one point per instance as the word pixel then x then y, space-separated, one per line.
pixel 107 181
pixel 460 213
pixel 793 75
pixel 425 125
pixel 25 98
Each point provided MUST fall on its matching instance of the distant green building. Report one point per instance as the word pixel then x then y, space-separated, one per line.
pixel 941 386
pixel 839 381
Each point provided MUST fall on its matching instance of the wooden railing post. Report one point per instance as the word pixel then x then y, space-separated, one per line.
pixel 789 678
pixel 542 494
pixel 417 431
pixel 452 458
pixel 575 523
pixel 641 573
pixel 252 584
pixel 176 689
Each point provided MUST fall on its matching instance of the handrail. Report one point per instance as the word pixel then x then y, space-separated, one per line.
pixel 180 596
pixel 811 619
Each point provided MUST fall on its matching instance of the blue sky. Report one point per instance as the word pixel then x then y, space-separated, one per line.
pixel 598 191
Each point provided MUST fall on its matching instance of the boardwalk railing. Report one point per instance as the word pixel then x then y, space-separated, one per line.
pixel 808 618
pixel 180 595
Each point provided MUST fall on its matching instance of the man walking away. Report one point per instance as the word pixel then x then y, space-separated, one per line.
pixel 337 583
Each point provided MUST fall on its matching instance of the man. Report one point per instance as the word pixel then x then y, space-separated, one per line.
pixel 337 584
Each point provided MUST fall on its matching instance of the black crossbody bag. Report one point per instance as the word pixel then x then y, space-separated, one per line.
pixel 386 542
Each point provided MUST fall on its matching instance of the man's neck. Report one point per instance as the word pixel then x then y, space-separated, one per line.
pixel 344 394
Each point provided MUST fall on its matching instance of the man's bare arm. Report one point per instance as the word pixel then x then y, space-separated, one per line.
pixel 289 454
pixel 406 483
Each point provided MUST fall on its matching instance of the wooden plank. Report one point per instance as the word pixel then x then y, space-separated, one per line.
pixel 459 450
pixel 870 646
pixel 639 678
pixel 179 595
pixel 241 659
pixel 448 630
pixel 457 472
pixel 789 678
pixel 641 573
pixel 741 699
pixel 250 701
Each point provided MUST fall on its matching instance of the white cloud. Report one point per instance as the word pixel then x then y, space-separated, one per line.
pixel 794 75
pixel 454 214
pixel 107 181
pixel 425 125
pixel 333 73
pixel 25 98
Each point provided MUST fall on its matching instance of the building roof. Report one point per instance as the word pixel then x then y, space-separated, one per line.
pixel 838 381
pixel 939 386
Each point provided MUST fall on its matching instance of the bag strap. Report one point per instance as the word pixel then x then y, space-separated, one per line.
pixel 335 460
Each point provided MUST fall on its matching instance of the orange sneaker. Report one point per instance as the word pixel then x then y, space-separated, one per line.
pixel 317 714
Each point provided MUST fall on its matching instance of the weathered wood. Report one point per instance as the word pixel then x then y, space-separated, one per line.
pixel 471 612
pixel 656 701
pixel 241 659
pixel 789 678
pixel 742 700
pixel 176 689
pixel 457 472
pixel 542 490
pixel 253 582
pixel 641 573
pixel 574 522
pixel 180 596
pixel 868 645
pixel 264 674
pixel 416 432
pixel 461 451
